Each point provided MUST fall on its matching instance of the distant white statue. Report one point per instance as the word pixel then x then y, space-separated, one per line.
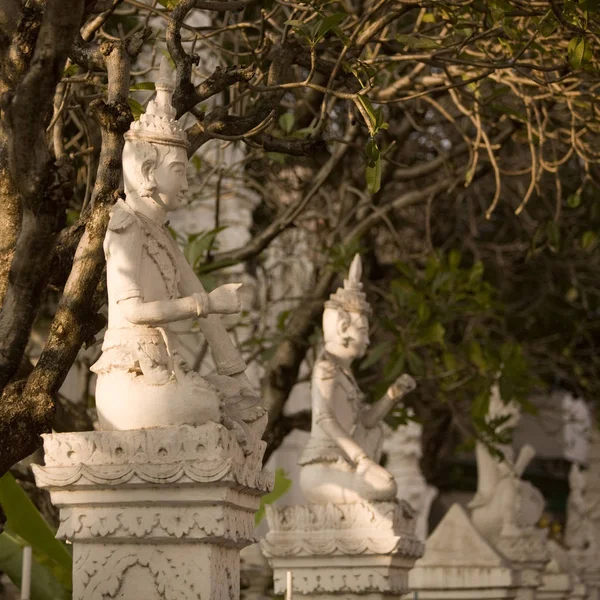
pixel 340 461
pixel 404 452
pixel 504 504
pixel 582 512
pixel 143 379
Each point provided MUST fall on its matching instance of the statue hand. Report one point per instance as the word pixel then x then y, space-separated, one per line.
pixel 374 474
pixel 225 299
pixel 402 386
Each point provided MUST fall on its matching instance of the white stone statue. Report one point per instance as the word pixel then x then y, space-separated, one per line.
pixel 143 380
pixel 404 452
pixel 581 512
pixel 353 538
pixel 340 460
pixel 504 505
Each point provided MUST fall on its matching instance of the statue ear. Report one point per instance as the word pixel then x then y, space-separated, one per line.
pixel 148 180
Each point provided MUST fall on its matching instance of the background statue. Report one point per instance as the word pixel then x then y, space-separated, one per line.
pixel 403 447
pixel 340 460
pixel 504 505
pixel 143 379
pixel 581 512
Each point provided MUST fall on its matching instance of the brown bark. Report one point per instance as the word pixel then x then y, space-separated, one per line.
pixel 31 180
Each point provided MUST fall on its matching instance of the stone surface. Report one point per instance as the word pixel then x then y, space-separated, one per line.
pixel 151 288
pixel 340 460
pixel 159 513
pixel 459 564
pixel 558 581
pixel 363 549
pixel 583 519
pixel 404 452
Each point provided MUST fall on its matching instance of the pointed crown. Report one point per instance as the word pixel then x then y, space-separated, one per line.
pixel 351 298
pixel 158 124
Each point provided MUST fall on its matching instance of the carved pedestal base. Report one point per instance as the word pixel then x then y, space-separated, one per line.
pixel 342 551
pixel 584 563
pixel 158 514
pixel 528 553
pixel 459 564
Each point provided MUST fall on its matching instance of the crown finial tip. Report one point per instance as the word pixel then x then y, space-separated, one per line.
pixel 165 73
pixel 355 273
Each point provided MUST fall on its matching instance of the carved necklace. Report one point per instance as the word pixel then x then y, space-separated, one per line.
pixel 158 250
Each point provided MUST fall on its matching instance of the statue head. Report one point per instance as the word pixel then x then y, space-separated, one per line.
pixel 155 152
pixel 511 411
pixel 346 317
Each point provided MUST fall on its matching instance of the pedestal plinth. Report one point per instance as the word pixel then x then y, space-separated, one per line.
pixel 342 551
pixel 528 553
pixel 459 564
pixel 159 514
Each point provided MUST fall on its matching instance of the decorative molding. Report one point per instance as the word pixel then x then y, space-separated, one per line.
pixel 103 572
pixel 160 522
pixel 185 454
pixel 348 529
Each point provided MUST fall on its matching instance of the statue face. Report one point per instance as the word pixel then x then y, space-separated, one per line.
pixel 171 178
pixel 358 332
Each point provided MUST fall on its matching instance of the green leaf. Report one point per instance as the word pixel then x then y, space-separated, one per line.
pixel 424 311
pixel 574 200
pixel 480 405
pixel 454 259
pixel 144 85
pixel 373 171
pixel 286 122
pixel 136 108
pixel 548 25
pixel 72 216
pixel 70 71
pixel 199 244
pixel 327 24
pixel 370 110
pixel 475 354
pixel 373 177
pixel 433 334
pixel 579 51
pixel 417 42
pixel 197 162
pixel 587 239
pixel 428 18
pixel 276 157
pixel 281 486
pixel 170 4
pixel 376 354
pixel 44 586
pixel 25 520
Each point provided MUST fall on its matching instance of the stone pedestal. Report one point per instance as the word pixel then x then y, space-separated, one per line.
pixel 459 564
pixel 158 514
pixel 558 580
pixel 527 552
pixel 342 551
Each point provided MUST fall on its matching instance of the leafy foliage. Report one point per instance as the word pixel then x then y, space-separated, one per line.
pixel 281 486
pixel 444 324
pixel 52 565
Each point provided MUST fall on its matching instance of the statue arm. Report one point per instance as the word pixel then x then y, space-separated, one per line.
pixel 227 357
pixel 375 413
pixel 324 384
pixel 160 312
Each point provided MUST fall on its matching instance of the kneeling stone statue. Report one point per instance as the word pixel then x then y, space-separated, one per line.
pixel 143 380
pixel 352 510
pixel 159 503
